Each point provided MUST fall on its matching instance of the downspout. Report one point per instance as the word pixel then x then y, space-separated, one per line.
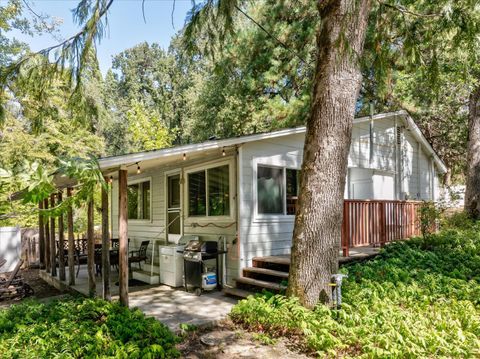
pixel 419 177
pixel 371 135
pixel 398 158
pixel 239 197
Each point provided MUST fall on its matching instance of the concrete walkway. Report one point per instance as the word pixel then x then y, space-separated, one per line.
pixel 171 306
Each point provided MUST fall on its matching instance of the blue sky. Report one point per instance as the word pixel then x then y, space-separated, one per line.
pixel 126 25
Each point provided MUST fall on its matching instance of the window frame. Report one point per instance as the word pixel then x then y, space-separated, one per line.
pixel 231 191
pixel 137 181
pixel 275 217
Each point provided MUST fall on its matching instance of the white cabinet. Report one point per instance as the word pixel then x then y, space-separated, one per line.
pixel 171 265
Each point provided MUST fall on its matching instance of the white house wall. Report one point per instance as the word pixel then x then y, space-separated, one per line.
pixel 263 235
pixel 154 229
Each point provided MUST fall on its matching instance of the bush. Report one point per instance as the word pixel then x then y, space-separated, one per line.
pixel 79 328
pixel 407 302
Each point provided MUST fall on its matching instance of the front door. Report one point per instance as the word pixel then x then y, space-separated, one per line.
pixel 174 208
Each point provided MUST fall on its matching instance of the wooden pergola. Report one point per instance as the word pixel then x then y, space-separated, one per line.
pixel 50 256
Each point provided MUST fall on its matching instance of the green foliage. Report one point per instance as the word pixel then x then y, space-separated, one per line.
pixel 146 129
pixel 428 215
pixel 406 303
pixel 82 328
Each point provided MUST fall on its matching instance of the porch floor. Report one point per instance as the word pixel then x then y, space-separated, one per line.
pixel 171 306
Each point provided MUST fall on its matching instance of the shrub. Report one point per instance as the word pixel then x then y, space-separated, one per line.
pixel 407 302
pixel 79 328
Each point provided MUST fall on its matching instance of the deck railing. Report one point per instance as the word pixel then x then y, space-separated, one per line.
pixel 377 222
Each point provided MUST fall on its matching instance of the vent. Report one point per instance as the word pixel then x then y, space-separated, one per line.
pixel 399 135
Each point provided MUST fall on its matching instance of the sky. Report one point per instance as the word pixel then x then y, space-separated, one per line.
pixel 126 25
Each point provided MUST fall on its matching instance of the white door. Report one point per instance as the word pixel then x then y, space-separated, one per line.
pixel 174 209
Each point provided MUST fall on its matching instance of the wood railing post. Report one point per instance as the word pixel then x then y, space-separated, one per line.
pixel 47 238
pixel 383 223
pixel 346 230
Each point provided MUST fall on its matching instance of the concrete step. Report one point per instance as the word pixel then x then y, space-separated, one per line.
pixel 247 283
pixel 148 267
pixel 146 276
pixel 235 292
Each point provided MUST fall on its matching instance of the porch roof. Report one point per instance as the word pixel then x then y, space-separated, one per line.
pixel 111 164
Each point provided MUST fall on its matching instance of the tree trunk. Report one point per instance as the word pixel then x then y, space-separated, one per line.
pixel 472 191
pixel 41 235
pixel 105 246
pixel 53 249
pixel 92 286
pixel 61 243
pixel 71 243
pixel 47 239
pixel 123 237
pixel 318 222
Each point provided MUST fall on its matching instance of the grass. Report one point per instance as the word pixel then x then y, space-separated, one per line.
pixel 82 328
pixel 417 299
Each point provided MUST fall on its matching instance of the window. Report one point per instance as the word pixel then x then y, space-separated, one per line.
pixel 209 192
pixel 277 190
pixel 270 190
pixel 139 200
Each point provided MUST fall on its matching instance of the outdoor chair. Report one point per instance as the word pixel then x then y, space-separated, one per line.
pixel 14 286
pixel 139 255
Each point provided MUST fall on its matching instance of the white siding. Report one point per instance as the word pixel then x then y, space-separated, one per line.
pixel 263 235
pixel 206 228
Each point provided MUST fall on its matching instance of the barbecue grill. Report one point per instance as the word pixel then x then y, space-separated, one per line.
pixel 195 254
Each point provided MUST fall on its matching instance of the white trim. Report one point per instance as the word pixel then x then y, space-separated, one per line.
pixel 174 172
pixel 231 187
pixel 273 163
pixel 136 181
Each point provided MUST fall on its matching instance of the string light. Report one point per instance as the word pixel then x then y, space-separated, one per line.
pixel 110 180
pixel 138 169
pixel 223 152
pixel 184 156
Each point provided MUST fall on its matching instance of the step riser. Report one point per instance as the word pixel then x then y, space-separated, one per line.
pixel 264 277
pixel 256 289
pixel 269 265
pixel 149 279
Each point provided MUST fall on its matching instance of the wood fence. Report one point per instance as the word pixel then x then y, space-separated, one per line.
pixel 376 222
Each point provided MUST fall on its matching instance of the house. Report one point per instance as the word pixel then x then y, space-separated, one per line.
pixel 243 190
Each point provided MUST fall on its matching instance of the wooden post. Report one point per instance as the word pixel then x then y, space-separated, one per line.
pixel 61 243
pixel 345 229
pixel 53 260
pixel 71 243
pixel 383 224
pixel 123 236
pixel 105 246
pixel 90 250
pixel 41 235
pixel 47 238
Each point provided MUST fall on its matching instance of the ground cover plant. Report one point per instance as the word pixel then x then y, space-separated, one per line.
pixel 418 298
pixel 82 328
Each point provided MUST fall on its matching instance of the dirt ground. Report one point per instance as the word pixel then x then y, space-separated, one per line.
pixel 40 287
pixel 225 341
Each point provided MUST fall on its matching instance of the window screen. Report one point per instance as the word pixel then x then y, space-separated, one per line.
pixel 293 183
pixel 218 191
pixel 197 197
pixel 270 190
pixel 139 200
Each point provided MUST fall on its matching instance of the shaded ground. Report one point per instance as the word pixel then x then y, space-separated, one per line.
pixel 40 287
pixel 225 341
